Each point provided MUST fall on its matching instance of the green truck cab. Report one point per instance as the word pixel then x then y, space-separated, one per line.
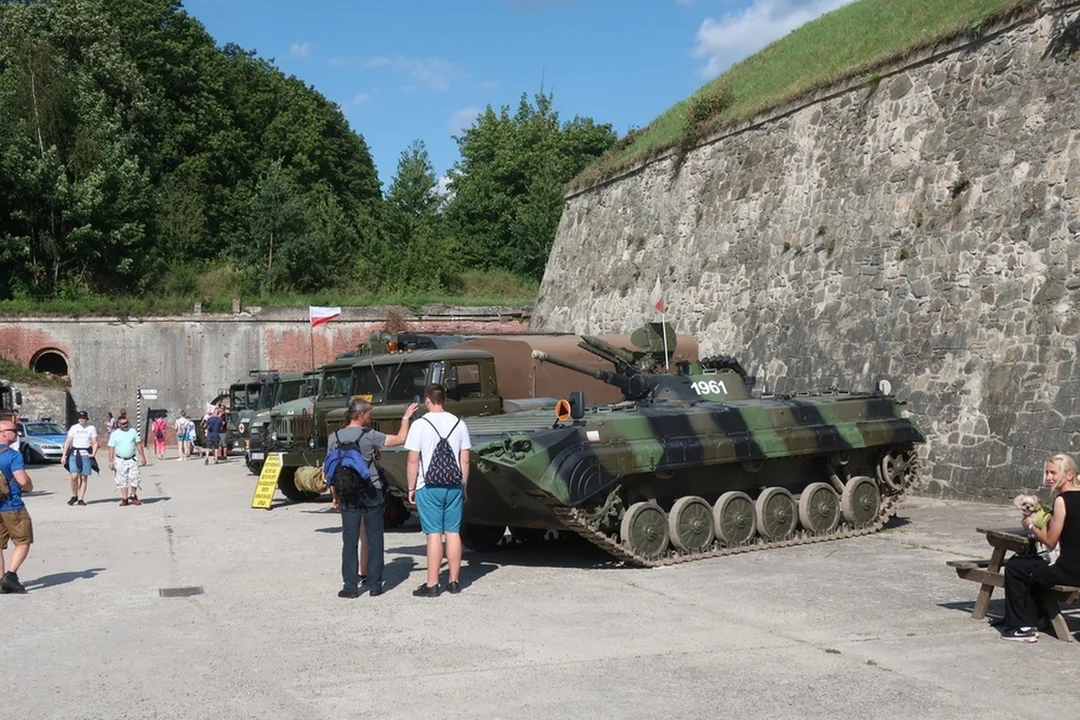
pixel 245 399
pixel 286 387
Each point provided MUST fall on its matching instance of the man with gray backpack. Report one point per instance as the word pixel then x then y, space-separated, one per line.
pixel 438 475
pixel 359 493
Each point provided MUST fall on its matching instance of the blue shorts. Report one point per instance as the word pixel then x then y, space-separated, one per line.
pixel 80 464
pixel 440 509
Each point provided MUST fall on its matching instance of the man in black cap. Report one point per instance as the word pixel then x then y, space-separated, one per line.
pixel 79 450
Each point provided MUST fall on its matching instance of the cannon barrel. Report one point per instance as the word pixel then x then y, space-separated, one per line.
pixel 633 386
pixel 611 378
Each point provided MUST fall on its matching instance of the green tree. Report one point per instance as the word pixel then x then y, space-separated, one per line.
pixel 507 186
pixel 416 251
pixel 136 152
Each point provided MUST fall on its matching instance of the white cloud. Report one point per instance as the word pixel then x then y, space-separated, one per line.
pixel 300 50
pixel 740 34
pixel 360 98
pixel 463 118
pixel 486 85
pixel 442 187
pixel 684 2
pixel 434 73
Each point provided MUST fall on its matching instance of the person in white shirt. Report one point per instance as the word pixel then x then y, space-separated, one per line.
pixel 438 474
pixel 80 447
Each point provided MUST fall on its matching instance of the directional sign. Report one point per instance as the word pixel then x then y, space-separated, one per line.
pixel 149 394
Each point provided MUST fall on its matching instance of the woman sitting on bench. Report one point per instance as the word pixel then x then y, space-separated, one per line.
pixel 1025 573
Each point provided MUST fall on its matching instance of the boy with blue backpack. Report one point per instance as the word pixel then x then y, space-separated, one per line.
pixel 359 493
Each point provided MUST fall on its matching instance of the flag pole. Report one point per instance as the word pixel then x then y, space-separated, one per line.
pixel 311 328
pixel 663 329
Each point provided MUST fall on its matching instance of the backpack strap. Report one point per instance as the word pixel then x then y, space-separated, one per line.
pixel 437 430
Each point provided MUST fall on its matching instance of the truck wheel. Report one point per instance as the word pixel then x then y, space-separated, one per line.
pixel 287 485
pixel 255 467
pixel 481 537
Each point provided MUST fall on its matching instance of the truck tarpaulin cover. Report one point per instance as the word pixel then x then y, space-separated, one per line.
pixel 520 376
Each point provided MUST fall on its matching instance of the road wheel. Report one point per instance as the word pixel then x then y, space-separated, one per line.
pixel 860 501
pixel 777 513
pixel 644 530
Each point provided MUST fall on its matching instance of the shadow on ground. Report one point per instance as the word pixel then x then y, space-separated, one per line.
pixel 566 552
pixel 116 500
pixel 896 521
pixel 996 612
pixel 47 581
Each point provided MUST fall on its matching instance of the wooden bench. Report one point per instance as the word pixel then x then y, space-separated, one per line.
pixel 989 575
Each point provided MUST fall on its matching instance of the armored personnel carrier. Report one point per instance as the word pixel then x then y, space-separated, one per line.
pixel 689 465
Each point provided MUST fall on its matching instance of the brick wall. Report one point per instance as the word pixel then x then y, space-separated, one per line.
pixel 189 358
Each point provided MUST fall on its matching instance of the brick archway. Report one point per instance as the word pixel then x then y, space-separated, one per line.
pixel 50 360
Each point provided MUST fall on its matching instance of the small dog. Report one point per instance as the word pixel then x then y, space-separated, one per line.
pixel 1030 505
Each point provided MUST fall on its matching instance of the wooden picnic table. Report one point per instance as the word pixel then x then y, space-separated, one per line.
pixel 989 574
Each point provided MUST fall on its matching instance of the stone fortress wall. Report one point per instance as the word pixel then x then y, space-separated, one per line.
pixel 188 359
pixel 922 227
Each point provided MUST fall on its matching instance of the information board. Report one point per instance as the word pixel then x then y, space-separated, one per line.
pixel 268 479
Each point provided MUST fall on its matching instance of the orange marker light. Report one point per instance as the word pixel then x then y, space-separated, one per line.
pixel 562 410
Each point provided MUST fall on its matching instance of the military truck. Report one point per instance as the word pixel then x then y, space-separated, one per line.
pixel 286 388
pixel 10 400
pixel 483 375
pixel 245 398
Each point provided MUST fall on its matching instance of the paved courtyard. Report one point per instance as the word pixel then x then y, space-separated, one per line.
pixel 872 627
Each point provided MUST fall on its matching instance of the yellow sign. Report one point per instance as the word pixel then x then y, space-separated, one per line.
pixel 264 489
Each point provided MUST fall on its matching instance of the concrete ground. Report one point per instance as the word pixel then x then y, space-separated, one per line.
pixel 865 628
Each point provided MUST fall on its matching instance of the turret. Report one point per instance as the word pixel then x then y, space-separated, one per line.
pixel 636 375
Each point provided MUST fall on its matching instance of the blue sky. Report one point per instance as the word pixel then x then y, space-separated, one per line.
pixel 422 69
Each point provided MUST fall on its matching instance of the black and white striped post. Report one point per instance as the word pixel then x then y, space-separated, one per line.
pixel 143 394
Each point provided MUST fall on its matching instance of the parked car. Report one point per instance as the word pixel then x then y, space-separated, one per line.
pixel 40 442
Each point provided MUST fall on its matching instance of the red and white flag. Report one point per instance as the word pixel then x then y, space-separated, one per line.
pixel 322 315
pixel 657 297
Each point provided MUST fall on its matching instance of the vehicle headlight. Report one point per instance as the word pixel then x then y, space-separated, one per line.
pixel 311 443
pixel 273 436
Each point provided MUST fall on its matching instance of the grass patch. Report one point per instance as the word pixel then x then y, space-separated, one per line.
pixel 16 373
pixel 852 41
pixel 475 289
pixel 832 651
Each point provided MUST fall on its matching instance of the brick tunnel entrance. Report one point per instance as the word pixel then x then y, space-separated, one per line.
pixel 49 361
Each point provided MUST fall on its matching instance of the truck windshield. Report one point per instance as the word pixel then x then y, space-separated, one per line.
pixel 408 382
pixel 289 391
pixel 266 396
pixel 336 383
pixel 370 381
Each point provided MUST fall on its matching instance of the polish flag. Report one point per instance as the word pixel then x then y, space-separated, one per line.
pixel 322 315
pixel 657 297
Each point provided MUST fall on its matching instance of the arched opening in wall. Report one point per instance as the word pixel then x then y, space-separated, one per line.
pixel 49 361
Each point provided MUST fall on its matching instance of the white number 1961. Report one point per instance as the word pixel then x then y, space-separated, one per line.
pixel 710 387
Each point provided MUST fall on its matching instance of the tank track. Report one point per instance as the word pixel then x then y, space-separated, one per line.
pixel 574 520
